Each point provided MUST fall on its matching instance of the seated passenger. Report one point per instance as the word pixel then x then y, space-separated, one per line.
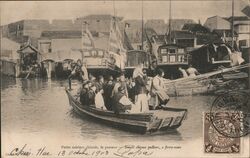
pixel 99 101
pixel 121 82
pixel 91 96
pixel 84 94
pixel 121 102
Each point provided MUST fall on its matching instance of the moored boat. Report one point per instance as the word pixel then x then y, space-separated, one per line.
pixel 166 119
pixel 209 83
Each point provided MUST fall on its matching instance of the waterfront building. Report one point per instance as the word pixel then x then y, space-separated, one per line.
pixel 158 25
pixel 242 27
pixel 97 22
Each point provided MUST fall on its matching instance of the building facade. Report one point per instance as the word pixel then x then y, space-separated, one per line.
pixel 217 23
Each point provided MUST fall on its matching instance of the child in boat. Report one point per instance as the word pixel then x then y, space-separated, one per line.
pixel 158 92
pixel 99 101
pixel 121 103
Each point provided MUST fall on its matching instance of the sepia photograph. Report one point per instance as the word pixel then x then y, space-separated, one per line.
pixel 125 79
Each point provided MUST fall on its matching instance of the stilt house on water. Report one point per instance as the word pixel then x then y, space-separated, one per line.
pixel 29 61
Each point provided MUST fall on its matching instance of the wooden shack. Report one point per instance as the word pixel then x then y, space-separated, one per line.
pixel 211 56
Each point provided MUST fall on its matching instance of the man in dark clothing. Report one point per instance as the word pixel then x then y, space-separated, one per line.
pixel 84 94
pixel 91 96
pixel 100 83
pixel 107 88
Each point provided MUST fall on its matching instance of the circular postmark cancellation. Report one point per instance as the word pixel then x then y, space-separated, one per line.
pixel 214 142
pixel 230 114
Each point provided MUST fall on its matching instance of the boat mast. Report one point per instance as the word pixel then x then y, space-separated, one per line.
pixel 170 22
pixel 232 24
pixel 142 24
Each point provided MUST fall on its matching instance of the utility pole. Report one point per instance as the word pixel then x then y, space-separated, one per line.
pixel 232 24
pixel 142 25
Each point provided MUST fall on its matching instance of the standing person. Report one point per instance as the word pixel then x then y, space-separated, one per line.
pixel 157 90
pixel 183 72
pixel 108 88
pixel 100 83
pixel 131 89
pixel 192 71
pixel 99 101
pixel 91 96
pixel 137 72
pixel 141 102
pixel 79 70
pixel 153 68
pixel 84 93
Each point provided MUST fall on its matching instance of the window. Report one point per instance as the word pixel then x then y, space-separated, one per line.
pixel 171 50
pixel 180 50
pixel 244 28
pixel 45 47
pixel 180 58
pixel 243 43
pixel 163 51
pixel 164 58
pixel 87 54
pixel 172 58
pixel 100 53
pixel 93 53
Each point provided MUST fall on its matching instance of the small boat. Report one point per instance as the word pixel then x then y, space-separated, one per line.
pixel 208 83
pixel 166 119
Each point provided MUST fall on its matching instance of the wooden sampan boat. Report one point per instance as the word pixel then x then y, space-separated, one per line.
pixel 166 119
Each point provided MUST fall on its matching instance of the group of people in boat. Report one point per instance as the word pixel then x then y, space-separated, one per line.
pixel 122 95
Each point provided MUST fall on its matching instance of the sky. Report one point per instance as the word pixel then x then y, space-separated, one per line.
pixel 181 9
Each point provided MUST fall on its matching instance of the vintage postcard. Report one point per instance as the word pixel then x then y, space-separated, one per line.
pixel 125 79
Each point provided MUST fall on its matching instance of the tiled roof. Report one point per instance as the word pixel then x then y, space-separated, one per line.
pixel 207 38
pixel 98 17
pixel 195 28
pixel 61 34
pixel 239 18
pixel 182 34
pixel 177 24
pixel 228 33
pixel 246 10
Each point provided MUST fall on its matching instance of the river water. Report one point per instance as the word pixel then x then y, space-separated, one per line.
pixel 40 107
